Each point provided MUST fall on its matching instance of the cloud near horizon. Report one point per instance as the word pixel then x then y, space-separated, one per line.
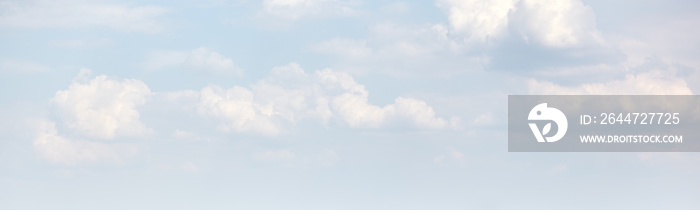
pixel 100 109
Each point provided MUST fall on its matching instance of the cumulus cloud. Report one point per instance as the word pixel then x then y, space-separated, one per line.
pixel 201 59
pixel 478 20
pixel 297 9
pixel 290 95
pixel 61 150
pixel 103 108
pixel 237 108
pixel 81 14
pixel 519 35
pixel 556 23
pixel 552 23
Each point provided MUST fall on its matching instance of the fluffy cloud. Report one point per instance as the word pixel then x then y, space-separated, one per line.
pixel 236 106
pixel 522 36
pixel 556 23
pixel 552 23
pixel 478 20
pixel 198 59
pixel 103 108
pixel 297 9
pixel 61 150
pixel 291 95
pixel 81 14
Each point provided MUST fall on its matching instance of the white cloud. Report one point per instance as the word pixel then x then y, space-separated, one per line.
pixel 552 23
pixel 198 59
pixel 61 150
pixel 526 35
pixel 646 83
pixel 237 108
pixel 81 14
pixel 478 20
pixel 355 110
pixel 290 95
pixel 297 9
pixel 103 108
pixel 556 23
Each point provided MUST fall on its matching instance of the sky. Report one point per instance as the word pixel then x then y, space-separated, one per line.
pixel 328 104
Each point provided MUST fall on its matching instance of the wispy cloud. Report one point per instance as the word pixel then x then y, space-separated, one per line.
pixel 73 14
pixel 200 59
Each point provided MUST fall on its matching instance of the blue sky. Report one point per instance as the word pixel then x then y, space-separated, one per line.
pixel 328 104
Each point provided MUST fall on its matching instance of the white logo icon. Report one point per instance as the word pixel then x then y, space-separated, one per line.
pixel 542 112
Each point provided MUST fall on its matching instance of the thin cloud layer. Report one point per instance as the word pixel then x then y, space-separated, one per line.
pixel 297 9
pixel 200 59
pixel 647 83
pixel 74 14
pixel 62 150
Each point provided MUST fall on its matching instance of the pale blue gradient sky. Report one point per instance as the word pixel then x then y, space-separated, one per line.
pixel 328 104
